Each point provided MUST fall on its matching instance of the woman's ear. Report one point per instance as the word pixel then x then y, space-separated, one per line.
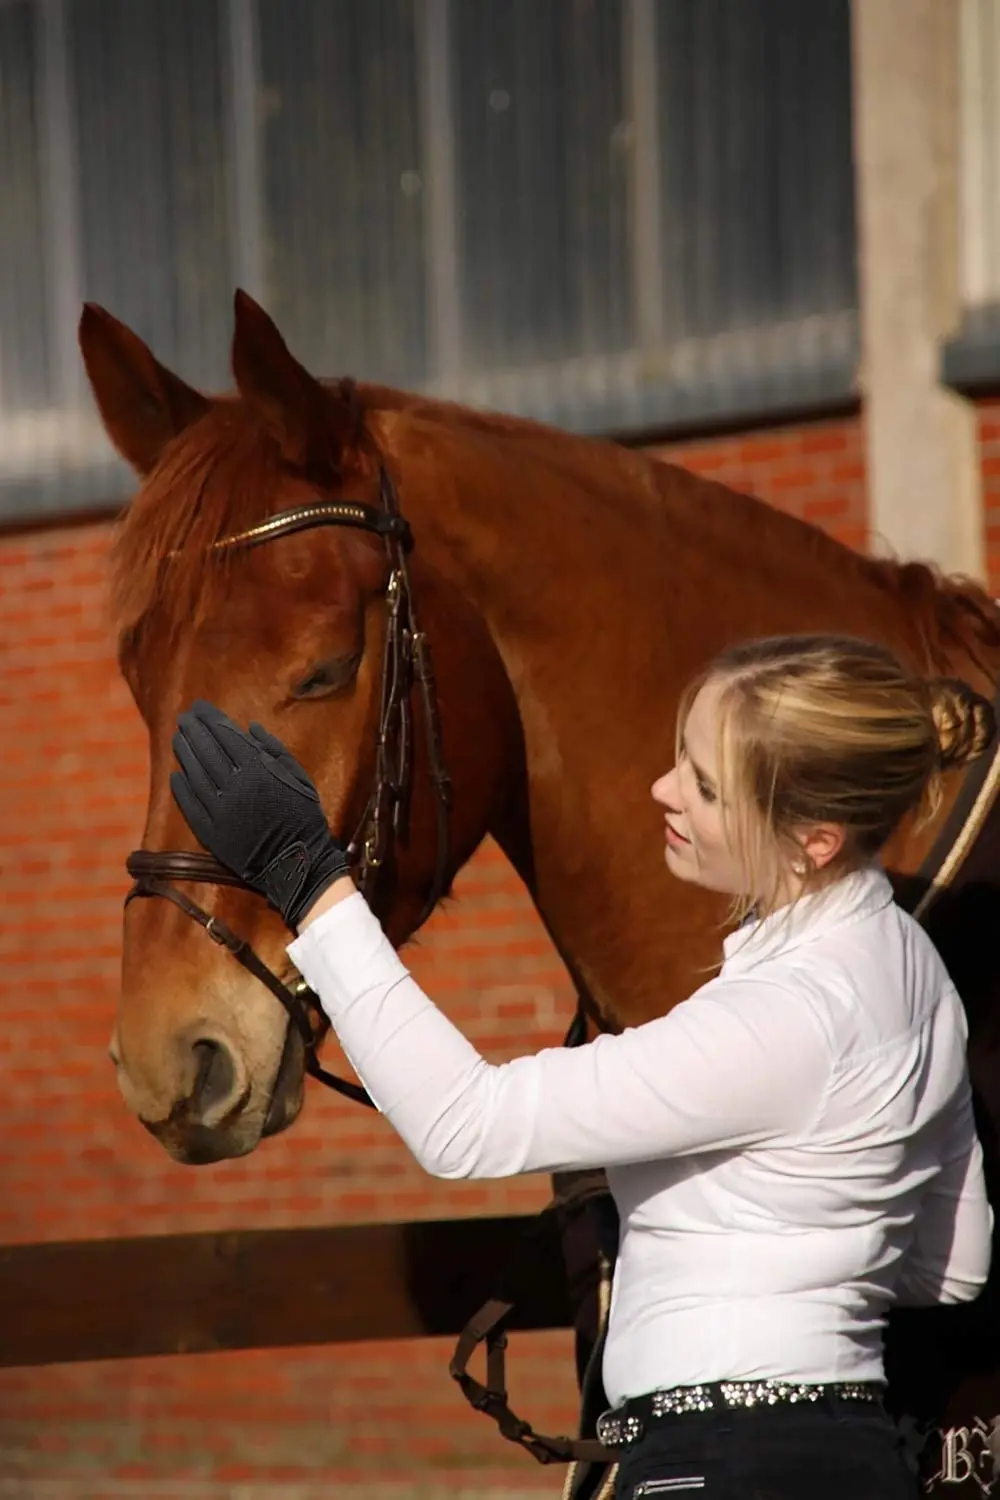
pixel 822 843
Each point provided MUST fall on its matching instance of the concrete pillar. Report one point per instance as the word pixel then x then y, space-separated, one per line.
pixel 924 487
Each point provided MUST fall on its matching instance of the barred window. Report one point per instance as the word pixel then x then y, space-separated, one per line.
pixel 616 215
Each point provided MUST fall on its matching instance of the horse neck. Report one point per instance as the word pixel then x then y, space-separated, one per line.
pixel 502 534
pixel 512 517
pixel 605 580
pixel 482 745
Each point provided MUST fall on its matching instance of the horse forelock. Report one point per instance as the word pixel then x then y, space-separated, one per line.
pixel 216 477
pixel 220 476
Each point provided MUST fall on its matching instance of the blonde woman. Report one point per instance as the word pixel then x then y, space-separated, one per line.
pixel 792 1150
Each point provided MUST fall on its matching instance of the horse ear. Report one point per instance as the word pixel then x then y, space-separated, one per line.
pixel 143 405
pixel 312 424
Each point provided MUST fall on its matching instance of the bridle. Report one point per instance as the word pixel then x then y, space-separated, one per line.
pixel 405 662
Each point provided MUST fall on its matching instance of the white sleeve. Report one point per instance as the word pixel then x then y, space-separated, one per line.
pixel 742 1062
pixel 949 1258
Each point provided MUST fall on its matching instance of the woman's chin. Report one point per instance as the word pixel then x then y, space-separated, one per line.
pixel 679 861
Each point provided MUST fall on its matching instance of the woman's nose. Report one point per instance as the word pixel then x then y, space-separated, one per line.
pixel 662 789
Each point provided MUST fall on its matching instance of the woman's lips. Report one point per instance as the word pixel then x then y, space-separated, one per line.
pixel 673 837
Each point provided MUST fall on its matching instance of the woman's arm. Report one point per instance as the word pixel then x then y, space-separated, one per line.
pixel 741 1063
pixel 735 1065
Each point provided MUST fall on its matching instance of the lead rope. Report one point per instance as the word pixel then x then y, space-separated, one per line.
pixel 489 1325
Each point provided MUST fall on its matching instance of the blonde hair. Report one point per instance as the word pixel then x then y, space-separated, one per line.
pixel 828 729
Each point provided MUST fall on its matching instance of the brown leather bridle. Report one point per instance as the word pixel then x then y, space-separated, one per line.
pixel 406 663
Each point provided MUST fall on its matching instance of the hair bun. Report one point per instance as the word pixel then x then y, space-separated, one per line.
pixel 964 721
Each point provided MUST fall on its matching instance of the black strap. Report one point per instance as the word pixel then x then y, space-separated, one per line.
pixel 488 1327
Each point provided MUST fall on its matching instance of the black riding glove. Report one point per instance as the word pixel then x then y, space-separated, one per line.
pixel 252 806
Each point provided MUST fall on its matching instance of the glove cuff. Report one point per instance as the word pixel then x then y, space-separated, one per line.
pixel 282 880
pixel 331 865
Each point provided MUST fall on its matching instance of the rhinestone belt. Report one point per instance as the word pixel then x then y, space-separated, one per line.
pixel 627 1423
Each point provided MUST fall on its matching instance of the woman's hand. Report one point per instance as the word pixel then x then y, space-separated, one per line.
pixel 252 806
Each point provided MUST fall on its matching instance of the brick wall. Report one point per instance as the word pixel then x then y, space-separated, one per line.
pixel 285 1425
pixel 816 471
pixel 989 449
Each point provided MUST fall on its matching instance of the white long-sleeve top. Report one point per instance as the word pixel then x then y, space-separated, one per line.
pixel 791 1150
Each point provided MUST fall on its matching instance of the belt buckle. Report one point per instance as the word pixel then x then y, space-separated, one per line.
pixel 615 1429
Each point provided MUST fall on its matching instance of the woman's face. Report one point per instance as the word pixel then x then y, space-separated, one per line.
pixel 696 814
pixel 697 848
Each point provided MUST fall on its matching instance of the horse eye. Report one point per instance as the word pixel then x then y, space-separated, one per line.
pixel 327 677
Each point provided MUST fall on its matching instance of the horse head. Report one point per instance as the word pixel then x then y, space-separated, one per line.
pixel 230 583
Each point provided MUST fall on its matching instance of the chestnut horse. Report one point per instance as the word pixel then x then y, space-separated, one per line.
pixel 568 589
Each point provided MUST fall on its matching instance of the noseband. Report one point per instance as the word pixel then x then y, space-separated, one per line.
pixel 405 663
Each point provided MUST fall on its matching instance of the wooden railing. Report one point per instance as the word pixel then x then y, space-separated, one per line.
pixel 256 1289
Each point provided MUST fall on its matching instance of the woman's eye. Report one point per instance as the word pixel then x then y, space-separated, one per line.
pixel 705 792
pixel 328 677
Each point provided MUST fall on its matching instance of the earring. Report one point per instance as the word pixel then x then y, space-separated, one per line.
pixel 799 867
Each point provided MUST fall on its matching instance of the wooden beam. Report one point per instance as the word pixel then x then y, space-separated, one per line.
pixel 256 1289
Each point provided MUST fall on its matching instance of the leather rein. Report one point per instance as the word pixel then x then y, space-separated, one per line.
pixel 406 665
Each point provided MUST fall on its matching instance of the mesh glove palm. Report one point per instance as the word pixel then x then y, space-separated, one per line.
pixel 248 801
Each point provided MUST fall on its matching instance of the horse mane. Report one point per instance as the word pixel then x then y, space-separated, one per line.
pixel 224 473
pixel 949 613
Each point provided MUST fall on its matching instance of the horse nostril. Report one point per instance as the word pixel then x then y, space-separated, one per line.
pixel 215 1083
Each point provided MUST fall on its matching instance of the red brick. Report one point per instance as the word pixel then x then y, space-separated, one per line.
pixel 826 508
pixel 834 439
pixel 849 472
pixel 753 452
pixel 710 461
pixel 801 480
